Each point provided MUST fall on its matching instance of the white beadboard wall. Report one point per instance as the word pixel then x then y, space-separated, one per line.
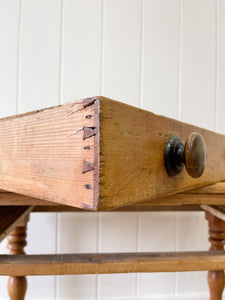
pixel 167 56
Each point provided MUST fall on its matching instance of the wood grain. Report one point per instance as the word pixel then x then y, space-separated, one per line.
pixel 132 145
pixel 10 217
pixel 43 154
pixel 103 263
pixel 100 154
pixel 187 199
pixel 175 202
pixel 217 188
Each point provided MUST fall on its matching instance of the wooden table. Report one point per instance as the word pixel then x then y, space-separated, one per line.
pixel 98 154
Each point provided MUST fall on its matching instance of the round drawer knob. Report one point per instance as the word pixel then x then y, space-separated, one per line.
pixel 192 155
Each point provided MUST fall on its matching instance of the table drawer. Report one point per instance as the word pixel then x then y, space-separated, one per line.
pixel 99 154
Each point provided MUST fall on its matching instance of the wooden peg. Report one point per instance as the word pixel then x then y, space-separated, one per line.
pixel 216 279
pixel 17 286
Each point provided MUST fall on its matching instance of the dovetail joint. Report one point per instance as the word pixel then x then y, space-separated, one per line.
pixel 89 132
pixel 87 166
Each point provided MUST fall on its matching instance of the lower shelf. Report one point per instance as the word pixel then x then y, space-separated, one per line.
pixel 104 263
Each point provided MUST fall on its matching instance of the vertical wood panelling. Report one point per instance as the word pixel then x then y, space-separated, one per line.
pixel 198 63
pixel 121 81
pixel 39 54
pixel 160 65
pixel 161 56
pixel 121 50
pixel 117 234
pixel 81 49
pixel 9 19
pixel 169 52
pixel 150 239
pixel 38 87
pixel 80 77
pixel 197 107
pixel 77 234
pixel 220 122
pixel 41 240
pixel 192 236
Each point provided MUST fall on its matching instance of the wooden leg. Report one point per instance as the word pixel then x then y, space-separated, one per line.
pixel 16 242
pixel 216 279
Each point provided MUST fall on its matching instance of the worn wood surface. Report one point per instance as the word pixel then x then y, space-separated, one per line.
pixel 61 264
pixel 132 145
pixel 217 188
pixel 188 199
pixel 173 202
pixel 10 217
pixel 181 201
pixel 48 154
pixel 99 154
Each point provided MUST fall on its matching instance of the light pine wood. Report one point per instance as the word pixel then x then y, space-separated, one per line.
pixel 13 199
pixel 10 217
pixel 17 286
pixel 216 278
pixel 132 145
pixel 217 188
pixel 104 263
pixel 187 199
pixel 100 154
pixel 43 154
pixel 180 199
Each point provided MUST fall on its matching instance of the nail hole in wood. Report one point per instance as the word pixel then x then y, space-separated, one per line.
pixel 87 186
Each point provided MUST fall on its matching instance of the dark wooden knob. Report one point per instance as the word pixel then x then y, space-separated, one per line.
pixel 192 155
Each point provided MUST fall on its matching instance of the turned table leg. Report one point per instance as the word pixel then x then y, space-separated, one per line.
pixel 16 242
pixel 216 279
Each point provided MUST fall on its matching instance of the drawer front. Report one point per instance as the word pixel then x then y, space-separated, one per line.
pixel 132 145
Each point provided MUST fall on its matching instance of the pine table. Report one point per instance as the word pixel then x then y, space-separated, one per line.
pixel 97 154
